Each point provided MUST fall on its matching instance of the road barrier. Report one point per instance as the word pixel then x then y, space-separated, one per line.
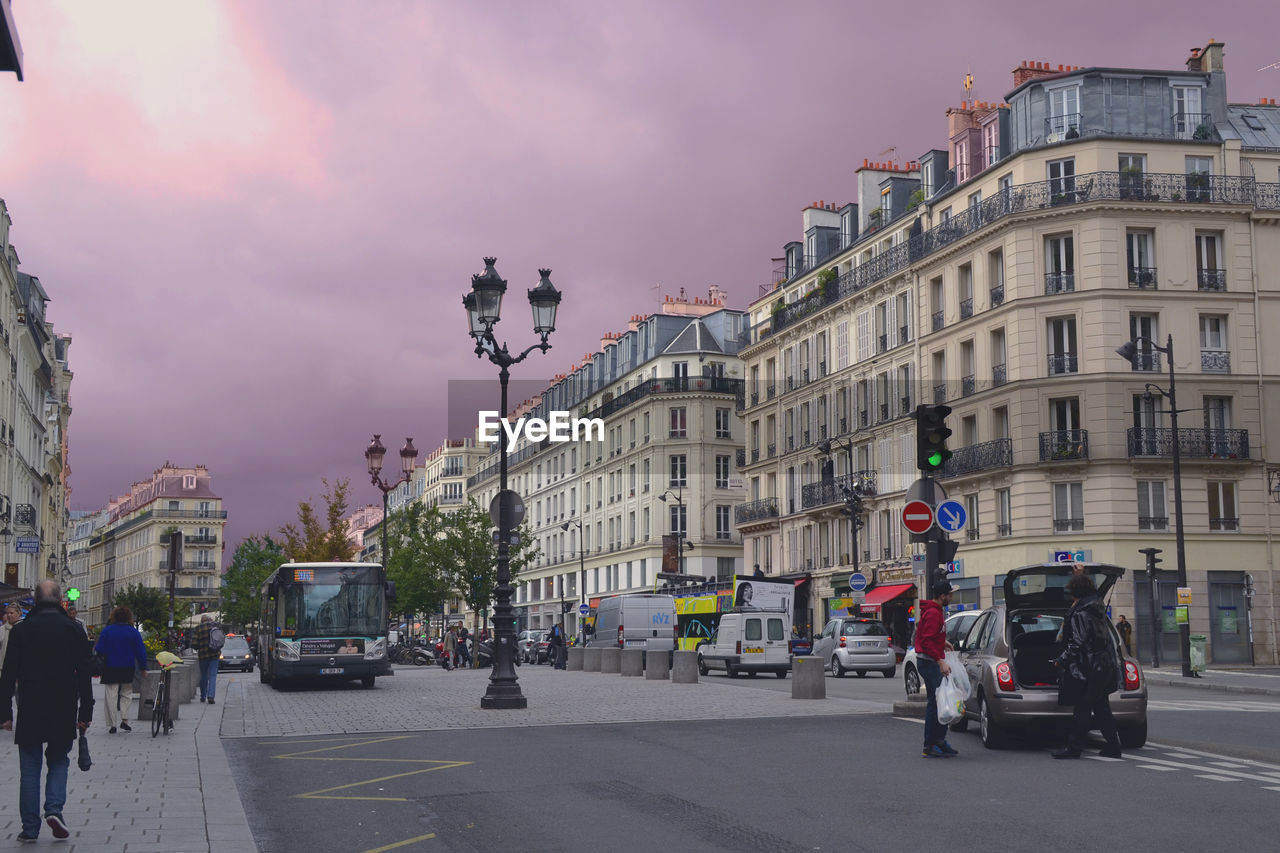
pixel 684 667
pixel 808 678
pixel 632 663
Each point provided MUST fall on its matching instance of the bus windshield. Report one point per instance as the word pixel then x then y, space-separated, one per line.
pixel 334 603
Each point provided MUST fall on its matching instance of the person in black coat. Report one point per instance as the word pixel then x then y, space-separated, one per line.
pixel 49 656
pixel 1090 669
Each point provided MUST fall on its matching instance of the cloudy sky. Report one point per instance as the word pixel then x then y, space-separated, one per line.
pixel 257 219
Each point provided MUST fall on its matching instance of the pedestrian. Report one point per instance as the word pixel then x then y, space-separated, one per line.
pixel 557 648
pixel 1125 627
pixel 12 615
pixel 450 648
pixel 1090 669
pixel 122 646
pixel 71 611
pixel 208 657
pixel 931 650
pixel 464 654
pixel 48 657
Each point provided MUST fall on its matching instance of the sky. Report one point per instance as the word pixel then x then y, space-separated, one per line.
pixel 257 219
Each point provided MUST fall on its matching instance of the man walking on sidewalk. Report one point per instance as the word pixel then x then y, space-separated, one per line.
pixel 49 657
pixel 931 649
pixel 208 656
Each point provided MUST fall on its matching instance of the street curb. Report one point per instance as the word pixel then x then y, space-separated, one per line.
pixel 226 825
pixel 1200 684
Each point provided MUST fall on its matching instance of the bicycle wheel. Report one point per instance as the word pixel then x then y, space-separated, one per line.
pixel 157 710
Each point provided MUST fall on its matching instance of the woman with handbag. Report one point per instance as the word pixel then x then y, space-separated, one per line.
pixel 121 647
pixel 1090 669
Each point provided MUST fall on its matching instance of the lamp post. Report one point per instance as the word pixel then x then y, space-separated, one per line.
pixel 1129 352
pixel 374 454
pixel 681 542
pixel 582 574
pixel 484 306
pixel 852 494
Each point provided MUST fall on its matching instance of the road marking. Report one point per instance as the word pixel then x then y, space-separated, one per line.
pixel 1249 706
pixel 404 843
pixel 1234 765
pixel 1185 751
pixel 1182 765
pixel 1216 778
pixel 910 720
pixel 1156 767
pixel 1103 758
pixel 327 793
pixel 1271 787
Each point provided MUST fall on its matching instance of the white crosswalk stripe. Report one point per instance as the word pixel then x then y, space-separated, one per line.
pixel 1213 705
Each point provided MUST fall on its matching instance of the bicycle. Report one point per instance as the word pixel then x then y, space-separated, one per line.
pixel 160 708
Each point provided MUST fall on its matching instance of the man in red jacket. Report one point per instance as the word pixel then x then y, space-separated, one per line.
pixel 931 648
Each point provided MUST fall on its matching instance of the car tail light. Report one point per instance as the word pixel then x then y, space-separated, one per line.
pixel 1131 679
pixel 737 647
pixel 1004 676
pixel 619 636
pixel 842 642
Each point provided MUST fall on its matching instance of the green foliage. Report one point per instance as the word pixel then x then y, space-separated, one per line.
pixel 470 557
pixel 917 199
pixel 150 606
pixel 255 558
pixel 826 277
pixel 320 540
pixel 416 564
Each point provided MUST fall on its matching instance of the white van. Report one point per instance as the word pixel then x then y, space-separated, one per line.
pixel 748 640
pixel 640 621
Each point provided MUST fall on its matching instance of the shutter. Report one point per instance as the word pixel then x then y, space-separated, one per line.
pixel 891 322
pixel 1145 492
pixel 864 335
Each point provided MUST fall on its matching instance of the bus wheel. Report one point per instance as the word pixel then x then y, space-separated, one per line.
pixel 367 681
pixel 263 675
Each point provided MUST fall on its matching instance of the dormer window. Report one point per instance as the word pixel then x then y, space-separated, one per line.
pixel 990 144
pixel 926 178
pixel 188 481
pixel 962 161
pixel 1064 113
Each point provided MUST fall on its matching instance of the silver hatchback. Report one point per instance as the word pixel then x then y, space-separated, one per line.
pixel 856 645
pixel 1009 652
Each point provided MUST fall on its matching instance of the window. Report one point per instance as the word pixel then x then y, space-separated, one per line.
pixel 1223 514
pixel 962 161
pixel 645 421
pixel 678 471
pixel 1199 178
pixel 1062 346
pixel 995 276
pixel 1004 513
pixel 1210 274
pixel 1142 265
pixel 1059 264
pixel 722 472
pixel 990 144
pixel 1064 113
pixel 1068 507
pixel 722 522
pixel 1213 332
pixel 679 423
pixel 679 519
pixel 1187 118
pixel 971 522
pixel 188 481
pixel 680 371
pixel 1132 171
pixel 722 424
pixel 644 478
pixel 1062 180
pixel 1152 511
pixel 1143 329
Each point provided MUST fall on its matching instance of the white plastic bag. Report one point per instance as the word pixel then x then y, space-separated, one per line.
pixel 958 675
pixel 953 692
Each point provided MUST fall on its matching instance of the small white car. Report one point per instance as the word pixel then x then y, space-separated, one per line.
pixel 957 626
pixel 856 644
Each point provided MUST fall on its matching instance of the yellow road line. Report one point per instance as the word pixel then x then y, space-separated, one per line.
pixel 404 843
pixel 343 746
pixel 314 795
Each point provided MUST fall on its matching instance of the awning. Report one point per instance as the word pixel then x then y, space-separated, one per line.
pixel 880 594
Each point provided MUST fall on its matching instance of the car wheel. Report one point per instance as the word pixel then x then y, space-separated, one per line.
pixel 702 667
pixel 367 681
pixel 752 674
pixel 962 726
pixel 862 673
pixel 911 680
pixel 992 735
pixel 730 671
pixel 249 670
pixel 837 669
pixel 1135 736
pixel 781 674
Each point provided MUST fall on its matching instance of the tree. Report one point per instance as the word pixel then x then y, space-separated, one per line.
pixel 150 606
pixel 470 556
pixel 317 541
pixel 255 558
pixel 416 562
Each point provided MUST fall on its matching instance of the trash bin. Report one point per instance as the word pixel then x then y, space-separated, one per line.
pixel 1198 643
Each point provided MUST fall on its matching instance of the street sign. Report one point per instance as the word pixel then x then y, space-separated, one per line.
pixel 28 545
pixel 857 596
pixel 513 540
pixel 917 516
pixel 584 610
pixel 952 516
pixel 857 582
pixel 514 504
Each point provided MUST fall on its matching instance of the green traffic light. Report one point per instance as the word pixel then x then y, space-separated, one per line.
pixel 935 459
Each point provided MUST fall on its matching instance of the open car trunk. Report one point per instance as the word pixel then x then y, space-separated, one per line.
pixel 1033 645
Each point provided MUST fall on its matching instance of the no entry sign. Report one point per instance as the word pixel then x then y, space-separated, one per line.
pixel 917 516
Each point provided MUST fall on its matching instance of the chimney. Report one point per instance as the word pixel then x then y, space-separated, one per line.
pixel 1211 57
pixel 1029 70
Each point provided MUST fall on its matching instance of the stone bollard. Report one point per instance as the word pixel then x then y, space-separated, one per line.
pixel 657 666
pixel 185 680
pixel 611 660
pixel 808 678
pixel 147 695
pixel 632 662
pixel 684 667
pixel 591 659
pixel 576 654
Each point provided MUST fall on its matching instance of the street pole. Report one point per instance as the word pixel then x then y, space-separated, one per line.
pixel 1184 628
pixel 175 562
pixel 1155 604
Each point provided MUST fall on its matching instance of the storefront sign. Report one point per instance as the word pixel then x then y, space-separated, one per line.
pixel 900 574
pixel 1078 555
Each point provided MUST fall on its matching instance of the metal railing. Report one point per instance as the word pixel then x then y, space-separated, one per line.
pixel 1231 524
pixel 1143 278
pixel 1153 522
pixel 756 510
pixel 188 513
pixel 1059 282
pixel 966 308
pixel 940 393
pixel 1146 362
pixel 937 321
pixel 1063 364
pixel 1068 525
pixel 882 343
pixel 905 406
pixel 1193 443
pixel 1064 444
pixel 1214 280
pixel 966 385
pixel 1003 530
pixel 1215 361
pixel 834 491
pixel 980 457
pixel 998 374
pixel 997 297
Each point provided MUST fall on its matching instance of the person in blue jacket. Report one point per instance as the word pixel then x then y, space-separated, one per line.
pixel 122 646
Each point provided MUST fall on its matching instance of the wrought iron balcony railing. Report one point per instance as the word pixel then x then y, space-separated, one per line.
pixel 756 510
pixel 937 321
pixel 1214 280
pixel 940 392
pixel 837 490
pixel 1003 530
pixel 966 385
pixel 1193 443
pixel 882 343
pixel 997 296
pixel 1224 524
pixel 1153 522
pixel 773 450
pixel 884 413
pixel 1215 361
pixel 904 334
pixel 966 308
pixel 1067 525
pixel 1059 282
pixel 1146 362
pixel 998 374
pixel 1064 444
pixel 905 406
pixel 986 456
pixel 1143 278
pixel 1062 364
pixel 741 457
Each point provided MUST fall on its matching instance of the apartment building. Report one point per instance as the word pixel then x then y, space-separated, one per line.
pixel 446 470
pixel 132 546
pixel 1088 208
pixel 666 390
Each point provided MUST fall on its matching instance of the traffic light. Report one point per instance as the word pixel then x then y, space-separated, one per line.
pixel 947 551
pixel 931 437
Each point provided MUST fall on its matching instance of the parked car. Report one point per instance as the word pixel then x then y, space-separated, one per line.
pixel 526 641
pixel 856 644
pixel 235 654
pixel 1008 654
pixel 637 621
pixel 957 626
pixel 541 651
pixel 748 640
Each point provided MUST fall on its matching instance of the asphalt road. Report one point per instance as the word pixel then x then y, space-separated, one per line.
pixel 829 783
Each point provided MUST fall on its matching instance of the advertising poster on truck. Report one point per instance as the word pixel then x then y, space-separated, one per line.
pixel 766 593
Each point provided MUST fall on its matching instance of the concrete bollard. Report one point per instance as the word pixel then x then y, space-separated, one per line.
pixel 632 663
pixel 611 660
pixel 185 680
pixel 147 695
pixel 808 678
pixel 591 659
pixel 657 666
pixel 575 658
pixel 684 667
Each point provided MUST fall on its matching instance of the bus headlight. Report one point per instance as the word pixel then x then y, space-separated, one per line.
pixel 376 650
pixel 284 650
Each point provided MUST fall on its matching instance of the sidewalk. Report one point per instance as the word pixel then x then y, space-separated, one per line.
pixel 170 794
pixel 1257 680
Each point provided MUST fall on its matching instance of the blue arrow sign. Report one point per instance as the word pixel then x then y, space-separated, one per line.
pixel 951 516
pixel 584 609
pixel 857 582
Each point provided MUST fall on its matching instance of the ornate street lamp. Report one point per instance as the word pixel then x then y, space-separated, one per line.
pixel 484 308
pixel 373 455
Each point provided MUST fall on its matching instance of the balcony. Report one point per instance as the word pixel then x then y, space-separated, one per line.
pixel 1212 280
pixel 1215 361
pixel 773 450
pixel 746 513
pixel 863 419
pixel 835 491
pixel 966 385
pixel 940 392
pixel 188 566
pixel 1153 522
pixel 1142 278
pixel 1059 282
pixel 1225 524
pixel 1146 362
pixel 188 513
pixel 966 308
pixel 997 296
pixel 741 458
pixel 1197 126
pixel 770 391
pixel 905 406
pixel 1003 530
pixel 1063 444
pixel 1060 365
pixel 986 456
pixel 904 334
pixel 937 321
pixel 199 541
pixel 1068 525
pixel 755 454
pixel 882 343
pixel 1062 127
pixel 998 375
pixel 884 413
pixel 1194 443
